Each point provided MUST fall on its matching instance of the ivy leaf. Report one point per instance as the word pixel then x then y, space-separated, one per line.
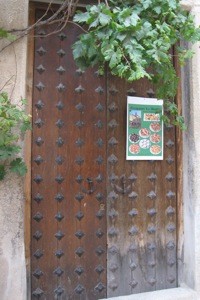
pixel 2 140
pixel 165 119
pixel 104 19
pixel 12 116
pixel 6 152
pixel 157 9
pixel 95 23
pixel 172 108
pixel 78 49
pixel 5 34
pixel 146 30
pixel 18 166
pixel 23 101
pixel 146 3
pixel 2 172
pixel 91 53
pixel 195 36
pixel 115 58
pixel 81 17
pixel 172 3
pixel 134 39
pixel 25 126
pixel 121 70
pixel 131 20
pixel 179 120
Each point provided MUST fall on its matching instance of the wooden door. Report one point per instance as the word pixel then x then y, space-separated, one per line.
pixel 101 226
pixel 142 213
pixel 69 173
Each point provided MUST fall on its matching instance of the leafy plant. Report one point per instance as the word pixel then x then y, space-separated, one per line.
pixel 4 34
pixel 12 116
pixel 134 39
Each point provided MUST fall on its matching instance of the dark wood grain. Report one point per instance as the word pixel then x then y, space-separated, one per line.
pixel 129 236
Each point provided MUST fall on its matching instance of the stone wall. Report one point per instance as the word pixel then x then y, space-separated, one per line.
pixel 192 165
pixel 13 14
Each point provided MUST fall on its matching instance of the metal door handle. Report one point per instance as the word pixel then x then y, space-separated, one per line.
pixel 124 189
pixel 91 187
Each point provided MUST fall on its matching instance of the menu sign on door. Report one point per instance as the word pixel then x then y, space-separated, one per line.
pixel 144 129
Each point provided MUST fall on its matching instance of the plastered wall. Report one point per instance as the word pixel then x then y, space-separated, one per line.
pixel 13 14
pixel 191 93
pixel 13 60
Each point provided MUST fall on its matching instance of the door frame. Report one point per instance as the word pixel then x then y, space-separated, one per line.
pixel 28 154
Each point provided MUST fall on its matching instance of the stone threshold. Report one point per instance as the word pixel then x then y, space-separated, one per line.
pixel 181 293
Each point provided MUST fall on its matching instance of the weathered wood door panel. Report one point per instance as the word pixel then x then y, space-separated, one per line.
pixel 101 226
pixel 69 165
pixel 142 217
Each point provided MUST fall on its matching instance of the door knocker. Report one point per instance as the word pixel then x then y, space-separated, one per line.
pixel 91 188
pixel 124 189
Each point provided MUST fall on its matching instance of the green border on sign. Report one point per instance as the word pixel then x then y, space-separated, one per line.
pixel 144 129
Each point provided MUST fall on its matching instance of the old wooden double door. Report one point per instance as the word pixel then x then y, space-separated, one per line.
pixel 101 226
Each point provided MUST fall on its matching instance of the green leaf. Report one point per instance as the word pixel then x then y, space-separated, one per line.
pixel 172 4
pixel 104 19
pixel 122 70
pixel 78 49
pixel 5 34
pixel 8 151
pixel 145 31
pixel 81 17
pixel 146 3
pixel 18 166
pixel 135 38
pixel 2 139
pixel 23 101
pixel 131 20
pixel 157 9
pixel 2 172
pixel 25 126
pixel 115 58
pixel 165 119
pixel 95 23
pixel 179 121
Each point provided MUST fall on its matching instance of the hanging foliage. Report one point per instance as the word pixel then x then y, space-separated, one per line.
pixel 134 39
pixel 12 116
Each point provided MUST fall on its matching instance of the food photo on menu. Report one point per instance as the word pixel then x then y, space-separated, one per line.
pixel 144 129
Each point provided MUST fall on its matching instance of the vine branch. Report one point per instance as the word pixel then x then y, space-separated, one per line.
pixel 106 2
pixel 60 16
